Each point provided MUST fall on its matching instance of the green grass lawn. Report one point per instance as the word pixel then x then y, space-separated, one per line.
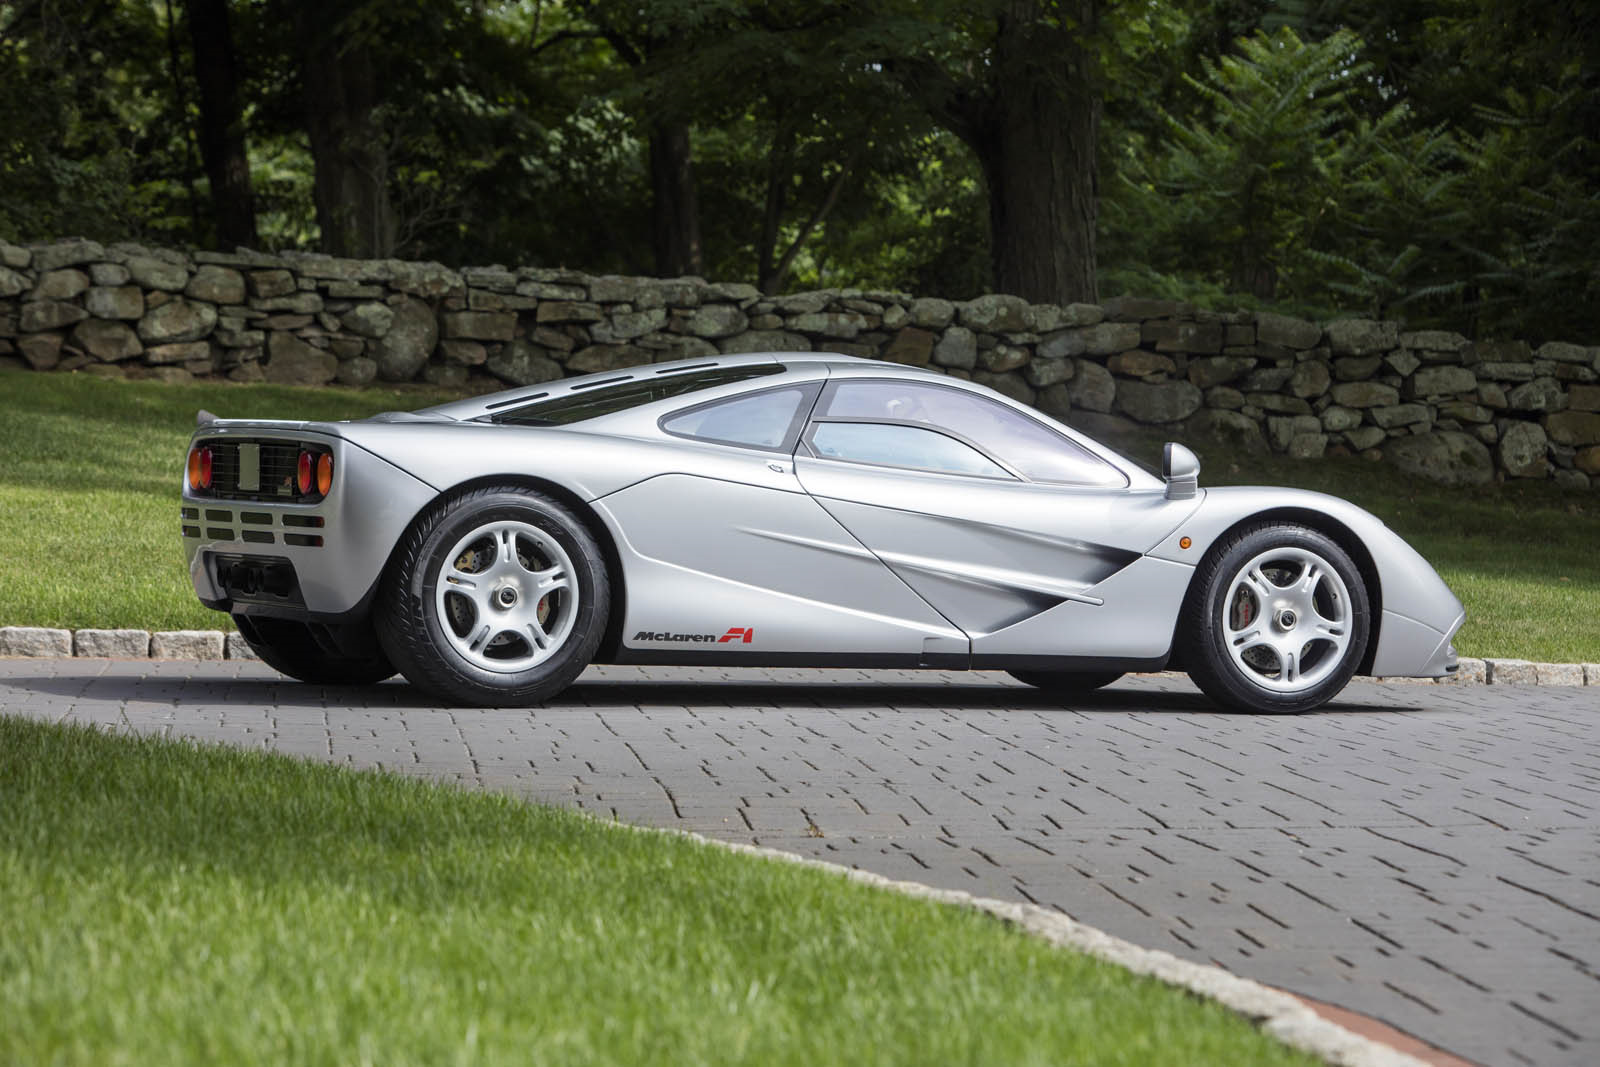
pixel 164 902
pixel 90 469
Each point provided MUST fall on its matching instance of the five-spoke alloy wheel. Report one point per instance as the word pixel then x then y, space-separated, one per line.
pixel 506 595
pixel 1277 619
pixel 497 596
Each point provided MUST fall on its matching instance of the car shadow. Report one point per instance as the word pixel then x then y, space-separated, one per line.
pixel 1132 696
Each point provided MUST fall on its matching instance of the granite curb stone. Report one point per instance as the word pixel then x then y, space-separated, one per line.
pixel 35 641
pixel 1469 671
pixel 1558 673
pixel 234 646
pixel 186 644
pixel 1511 672
pixel 112 644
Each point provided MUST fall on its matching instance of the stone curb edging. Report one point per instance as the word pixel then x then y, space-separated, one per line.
pixel 1277 1013
pixel 41 642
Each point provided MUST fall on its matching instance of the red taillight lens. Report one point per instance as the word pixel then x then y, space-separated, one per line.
pixel 199 468
pixel 325 473
pixel 302 474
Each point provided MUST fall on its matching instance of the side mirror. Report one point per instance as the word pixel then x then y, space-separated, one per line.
pixel 1181 469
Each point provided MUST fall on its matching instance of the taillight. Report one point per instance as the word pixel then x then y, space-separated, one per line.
pixel 325 473
pixel 302 474
pixel 199 468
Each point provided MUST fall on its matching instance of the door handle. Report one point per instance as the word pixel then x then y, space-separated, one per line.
pixel 777 468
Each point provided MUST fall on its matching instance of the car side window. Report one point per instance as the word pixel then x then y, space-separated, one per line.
pixel 900 446
pixel 764 420
pixel 1025 445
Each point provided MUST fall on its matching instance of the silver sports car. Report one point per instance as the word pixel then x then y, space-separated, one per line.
pixel 802 509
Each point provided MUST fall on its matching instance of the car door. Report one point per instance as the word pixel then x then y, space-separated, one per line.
pixel 727 555
pixel 1029 543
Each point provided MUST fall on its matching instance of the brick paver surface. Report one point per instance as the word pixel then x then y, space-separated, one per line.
pixel 1426 855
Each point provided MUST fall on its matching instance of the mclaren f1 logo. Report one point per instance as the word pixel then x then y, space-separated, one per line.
pixel 737 634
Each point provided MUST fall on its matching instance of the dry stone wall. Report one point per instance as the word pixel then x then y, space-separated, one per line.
pixel 1432 402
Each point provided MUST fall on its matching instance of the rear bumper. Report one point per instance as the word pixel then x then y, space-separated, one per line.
pixel 317 561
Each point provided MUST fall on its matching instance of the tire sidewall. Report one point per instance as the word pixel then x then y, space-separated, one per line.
pixel 1221 672
pixel 464 679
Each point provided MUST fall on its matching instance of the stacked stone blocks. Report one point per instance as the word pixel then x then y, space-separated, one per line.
pixel 1433 402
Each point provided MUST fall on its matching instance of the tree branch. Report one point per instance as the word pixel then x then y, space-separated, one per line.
pixel 823 210
pixel 624 48
pixel 564 35
pixel 956 107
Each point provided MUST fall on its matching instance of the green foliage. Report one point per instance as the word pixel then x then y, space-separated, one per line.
pixel 1443 171
pixel 1432 160
pixel 1244 197
pixel 77 85
pixel 1528 215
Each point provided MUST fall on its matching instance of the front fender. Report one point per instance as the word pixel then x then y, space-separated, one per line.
pixel 1419 612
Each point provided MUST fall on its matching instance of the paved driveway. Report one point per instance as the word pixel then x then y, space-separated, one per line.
pixel 1426 855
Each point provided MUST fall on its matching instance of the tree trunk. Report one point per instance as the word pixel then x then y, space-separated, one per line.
pixel 351 161
pixel 676 205
pixel 180 118
pixel 222 145
pixel 1037 149
pixel 780 170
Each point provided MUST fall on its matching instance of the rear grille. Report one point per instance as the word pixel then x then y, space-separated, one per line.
pixel 249 526
pixel 278 460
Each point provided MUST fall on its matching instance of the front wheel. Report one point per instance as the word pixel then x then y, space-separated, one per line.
pixel 497 597
pixel 1276 621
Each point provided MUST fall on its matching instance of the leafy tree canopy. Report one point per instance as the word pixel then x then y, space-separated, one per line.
pixel 1429 160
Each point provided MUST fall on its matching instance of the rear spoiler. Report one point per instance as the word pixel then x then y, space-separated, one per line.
pixel 205 418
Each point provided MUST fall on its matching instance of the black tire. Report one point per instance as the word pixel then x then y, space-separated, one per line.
pixel 1289 647
pixel 1067 683
pixel 428 618
pixel 289 647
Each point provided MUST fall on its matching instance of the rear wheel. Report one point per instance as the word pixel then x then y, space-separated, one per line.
pixel 497 597
pixel 1067 683
pixel 291 648
pixel 1276 621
